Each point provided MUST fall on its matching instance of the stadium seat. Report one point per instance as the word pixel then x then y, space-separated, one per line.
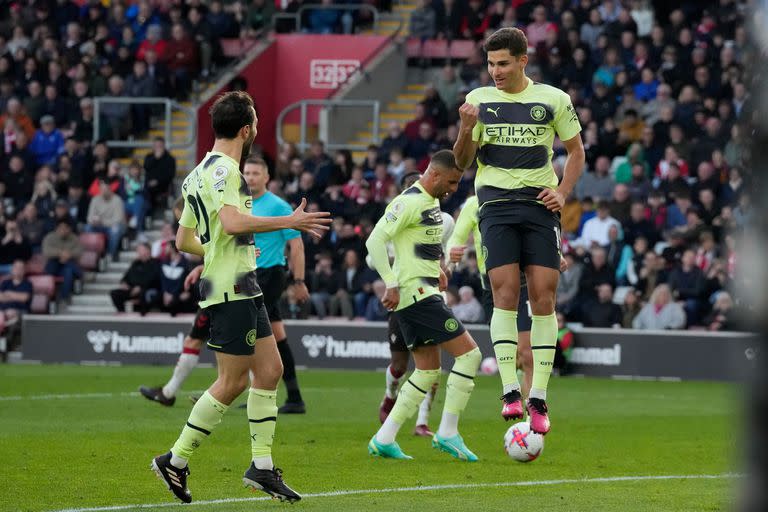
pixel 93 242
pixel 43 284
pixel 236 47
pixel 36 265
pixel 430 49
pixel 462 49
pixel 41 304
pixel 89 261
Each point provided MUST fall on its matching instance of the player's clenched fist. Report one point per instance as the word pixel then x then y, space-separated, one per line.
pixel 468 114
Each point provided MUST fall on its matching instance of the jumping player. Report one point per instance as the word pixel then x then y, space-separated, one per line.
pixel 511 128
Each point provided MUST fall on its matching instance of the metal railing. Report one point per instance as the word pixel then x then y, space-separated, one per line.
pixel 296 16
pixel 302 105
pixel 169 107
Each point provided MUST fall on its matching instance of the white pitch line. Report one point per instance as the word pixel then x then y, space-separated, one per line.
pixel 352 492
pixel 76 396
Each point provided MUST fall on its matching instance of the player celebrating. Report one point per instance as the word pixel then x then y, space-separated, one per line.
pixel 217 208
pixel 513 125
pixel 398 348
pixel 467 223
pixel 413 223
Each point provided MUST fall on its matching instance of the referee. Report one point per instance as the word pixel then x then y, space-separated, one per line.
pixel 272 272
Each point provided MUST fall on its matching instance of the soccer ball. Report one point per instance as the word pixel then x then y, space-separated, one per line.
pixel 489 366
pixel 523 444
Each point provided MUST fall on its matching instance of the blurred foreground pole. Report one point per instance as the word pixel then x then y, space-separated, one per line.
pixel 755 494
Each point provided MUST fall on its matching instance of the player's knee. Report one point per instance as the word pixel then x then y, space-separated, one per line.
pixel 399 362
pixel 469 362
pixel 192 343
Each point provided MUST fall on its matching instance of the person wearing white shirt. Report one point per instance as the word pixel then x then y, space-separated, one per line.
pixel 596 229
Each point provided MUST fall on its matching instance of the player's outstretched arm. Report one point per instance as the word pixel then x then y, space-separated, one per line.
pixel 466 148
pixel 187 241
pixel 236 223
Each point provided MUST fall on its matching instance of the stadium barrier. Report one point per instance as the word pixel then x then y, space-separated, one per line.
pixel 330 344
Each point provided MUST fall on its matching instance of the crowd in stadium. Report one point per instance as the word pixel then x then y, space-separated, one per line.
pixel 649 234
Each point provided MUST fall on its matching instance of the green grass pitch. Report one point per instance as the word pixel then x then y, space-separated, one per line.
pixel 91 445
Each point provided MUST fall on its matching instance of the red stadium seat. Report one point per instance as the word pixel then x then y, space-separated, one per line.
pixel 44 284
pixel 430 49
pixel 89 260
pixel 36 265
pixel 40 304
pixel 93 242
pixel 462 49
pixel 236 47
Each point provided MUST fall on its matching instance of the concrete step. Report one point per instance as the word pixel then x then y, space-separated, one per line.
pixel 127 256
pixel 369 135
pixel 78 309
pixel 102 289
pixel 400 107
pixel 99 300
pixel 118 266
pixel 397 116
pixel 410 97
pixel 416 87
pixel 108 277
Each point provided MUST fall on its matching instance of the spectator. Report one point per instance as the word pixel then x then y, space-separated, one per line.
pixel 140 283
pixel 60 213
pixel 597 271
pixel 620 204
pixel 174 269
pixel 323 284
pixel 597 184
pixel 595 231
pixel 568 285
pixel 138 84
pixel 469 309
pixel 319 164
pixel 134 197
pixel 660 313
pixel 48 142
pixel 13 246
pixel 564 347
pixel 154 42
pixel 687 284
pixel 32 227
pixel 182 61
pixel 14 111
pixel 423 21
pixel 62 249
pixel 56 106
pixel 160 248
pixel 413 128
pixel 349 288
pixel 375 310
pixel 160 170
pixel 106 215
pixel 325 21
pixel 721 318
pixel 15 300
pixel 448 84
pixel 395 139
pixel 157 69
pixel 630 308
pixel 117 119
pixel 603 312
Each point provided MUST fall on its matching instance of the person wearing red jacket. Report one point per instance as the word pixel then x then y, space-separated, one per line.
pixel 182 61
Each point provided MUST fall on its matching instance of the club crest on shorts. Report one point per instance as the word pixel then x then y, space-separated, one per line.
pixel 451 324
pixel 538 113
pixel 250 338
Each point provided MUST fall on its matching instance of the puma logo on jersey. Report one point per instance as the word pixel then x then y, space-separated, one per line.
pixel 492 111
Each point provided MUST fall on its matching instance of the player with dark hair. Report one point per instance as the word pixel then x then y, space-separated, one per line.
pixel 413 223
pixel 398 348
pixel 217 224
pixel 510 128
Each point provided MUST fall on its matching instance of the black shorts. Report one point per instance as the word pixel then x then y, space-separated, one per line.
pixel 428 322
pixel 201 327
pixel 522 232
pixel 395 335
pixel 236 325
pixel 272 281
pixel 523 307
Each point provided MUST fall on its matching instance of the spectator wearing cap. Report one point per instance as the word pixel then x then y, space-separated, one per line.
pixel 48 142
pixel 106 215
pixel 62 249
pixel 60 214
